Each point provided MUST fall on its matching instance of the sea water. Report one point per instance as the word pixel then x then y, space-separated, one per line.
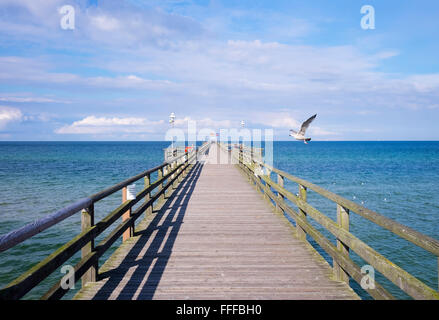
pixel 399 180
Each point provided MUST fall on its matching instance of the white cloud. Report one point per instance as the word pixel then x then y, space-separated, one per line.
pixel 37 8
pixel 104 125
pixel 319 132
pixel 284 120
pixel 110 125
pixel 251 71
pixel 31 100
pixel 278 120
pixel 35 70
pixel 116 24
pixel 204 123
pixel 105 23
pixel 426 82
pixel 127 82
pixel 41 117
pixel 99 122
pixel 8 115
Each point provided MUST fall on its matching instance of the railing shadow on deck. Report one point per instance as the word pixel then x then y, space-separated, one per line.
pixel 173 212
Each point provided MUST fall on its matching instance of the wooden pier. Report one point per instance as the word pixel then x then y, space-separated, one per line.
pixel 217 231
pixel 216 238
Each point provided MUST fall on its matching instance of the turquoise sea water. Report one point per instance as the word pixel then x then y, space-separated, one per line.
pixel 397 179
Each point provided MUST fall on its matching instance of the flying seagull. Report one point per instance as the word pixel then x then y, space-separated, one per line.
pixel 301 134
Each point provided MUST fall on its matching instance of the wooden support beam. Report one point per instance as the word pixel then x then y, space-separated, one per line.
pixel 176 182
pixel 130 231
pixel 301 234
pixel 87 221
pixel 160 173
pixel 280 181
pixel 343 222
pixel 147 181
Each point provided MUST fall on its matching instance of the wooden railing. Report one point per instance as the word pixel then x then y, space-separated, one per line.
pixel 169 174
pixel 344 267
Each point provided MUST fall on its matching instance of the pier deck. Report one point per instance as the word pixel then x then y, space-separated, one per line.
pixel 215 238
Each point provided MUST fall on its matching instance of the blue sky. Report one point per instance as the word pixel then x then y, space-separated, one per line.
pixel 128 64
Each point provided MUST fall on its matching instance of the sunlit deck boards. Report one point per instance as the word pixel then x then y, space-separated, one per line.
pixel 215 239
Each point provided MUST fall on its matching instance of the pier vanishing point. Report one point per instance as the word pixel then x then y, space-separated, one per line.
pixel 202 228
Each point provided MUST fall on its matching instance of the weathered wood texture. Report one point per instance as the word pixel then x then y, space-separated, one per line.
pixel 343 265
pixel 216 238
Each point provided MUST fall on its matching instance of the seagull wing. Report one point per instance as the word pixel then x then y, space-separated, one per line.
pixel 306 124
pixel 292 132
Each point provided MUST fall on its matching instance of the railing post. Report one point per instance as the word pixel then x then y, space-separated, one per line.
pixel 254 166
pixel 185 166
pixel 267 186
pixel 249 172
pixel 301 234
pixel 160 188
pixel 175 165
pixel 177 181
pixel 188 162
pixel 182 169
pixel 343 222
pixel 147 180
pixel 129 232
pixel 280 182
pixel 87 221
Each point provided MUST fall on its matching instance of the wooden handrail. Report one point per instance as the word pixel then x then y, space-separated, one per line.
pixel 24 283
pixel 19 235
pixel 421 240
pixel 346 240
